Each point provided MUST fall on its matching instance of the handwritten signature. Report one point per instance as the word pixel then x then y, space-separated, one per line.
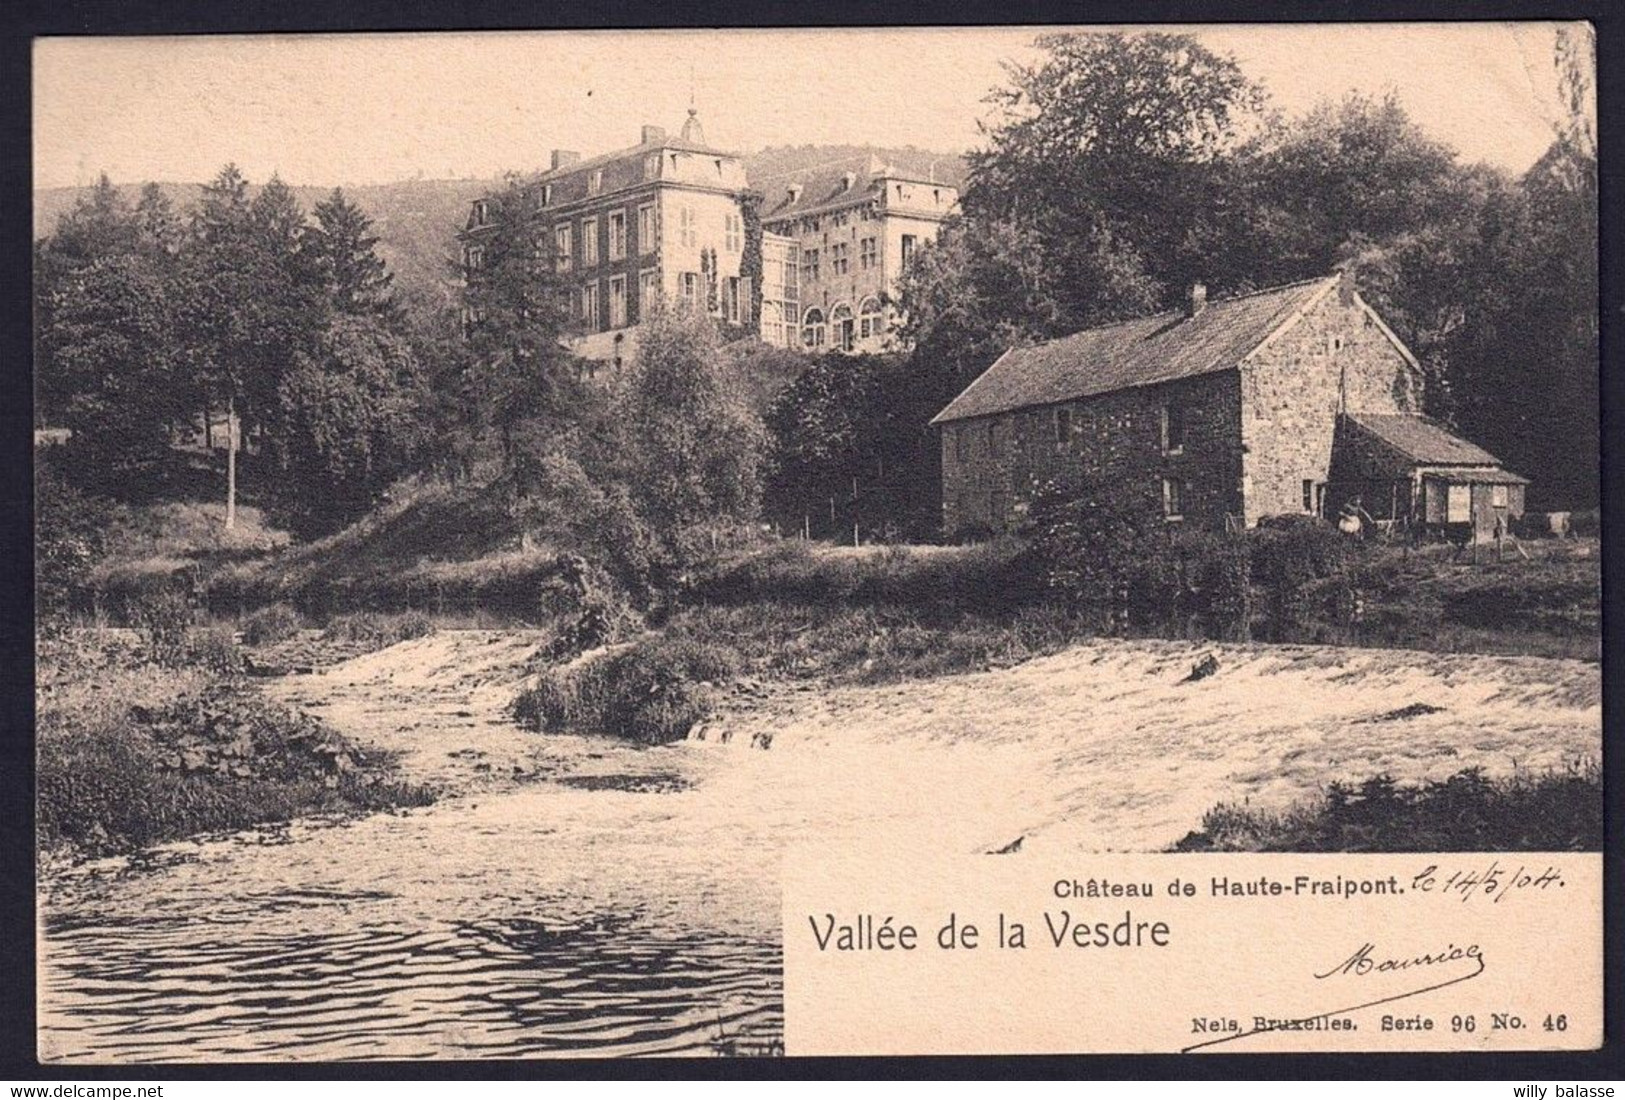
pixel 1367 960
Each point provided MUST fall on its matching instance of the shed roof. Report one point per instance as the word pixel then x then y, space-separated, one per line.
pixel 1425 442
pixel 1164 347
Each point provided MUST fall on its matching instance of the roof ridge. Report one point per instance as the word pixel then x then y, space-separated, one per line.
pixel 1176 311
pixel 821 164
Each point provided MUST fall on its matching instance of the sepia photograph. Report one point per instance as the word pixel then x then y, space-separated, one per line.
pixel 535 528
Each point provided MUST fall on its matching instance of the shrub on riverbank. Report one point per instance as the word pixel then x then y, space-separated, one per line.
pixel 1468 812
pixel 379 631
pixel 271 624
pixel 651 691
pixel 130 753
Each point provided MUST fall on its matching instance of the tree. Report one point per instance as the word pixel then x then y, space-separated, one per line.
pixel 1110 151
pixel 692 449
pixel 344 250
pixel 515 314
pixel 348 423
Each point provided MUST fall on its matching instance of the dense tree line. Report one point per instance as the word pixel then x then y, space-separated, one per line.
pixel 152 326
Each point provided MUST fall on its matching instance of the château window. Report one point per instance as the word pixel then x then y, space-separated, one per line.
pixel 561 247
pixel 544 195
pixel 648 290
pixel 838 262
pixel 867 256
pixel 651 166
pixel 841 326
pixel 733 232
pixel 595 181
pixel 1173 498
pixel 617 301
pixel 870 321
pixel 1173 429
pixel 617 236
pixel 589 306
pixel 686 226
pixel 1063 424
pixel 812 329
pixel 646 228
pixel 482 212
pixel 809 265
pixel 909 242
pixel 689 284
pixel 589 242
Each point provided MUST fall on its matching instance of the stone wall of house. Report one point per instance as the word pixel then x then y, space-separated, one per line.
pixel 1335 358
pixel 993 466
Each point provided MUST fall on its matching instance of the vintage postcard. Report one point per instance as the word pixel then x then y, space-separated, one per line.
pixel 812 542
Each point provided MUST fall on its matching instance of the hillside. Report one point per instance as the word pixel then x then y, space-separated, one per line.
pixel 417 220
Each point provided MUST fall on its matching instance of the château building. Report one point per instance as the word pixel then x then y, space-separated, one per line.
pixel 809 260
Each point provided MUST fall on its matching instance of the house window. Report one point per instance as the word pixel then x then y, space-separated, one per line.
pixel 809 265
pixel 812 329
pixel 960 435
pixel 1458 504
pixel 561 248
pixel 838 262
pixel 1498 496
pixel 733 233
pixel 589 306
pixel 992 439
pixel 909 242
pixel 648 289
pixel 617 236
pixel 482 212
pixel 544 196
pixel 474 257
pixel 617 301
pixel 646 227
pixel 1063 424
pixel 595 181
pixel 1173 429
pixel 870 321
pixel 1309 494
pixel 685 226
pixel 689 286
pixel 651 166
pixel 867 256
pixel 590 245
pixel 1173 498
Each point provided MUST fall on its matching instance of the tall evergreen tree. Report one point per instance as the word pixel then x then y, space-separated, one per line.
pixel 345 250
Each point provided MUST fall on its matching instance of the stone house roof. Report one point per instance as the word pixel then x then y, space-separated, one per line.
pixel 1164 347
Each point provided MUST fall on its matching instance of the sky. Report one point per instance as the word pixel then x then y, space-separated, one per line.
pixel 350 109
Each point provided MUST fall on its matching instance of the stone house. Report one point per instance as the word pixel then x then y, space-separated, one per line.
pixel 1212 416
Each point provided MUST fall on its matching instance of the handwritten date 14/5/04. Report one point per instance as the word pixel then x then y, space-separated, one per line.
pixel 1467 1024
pixel 1494 882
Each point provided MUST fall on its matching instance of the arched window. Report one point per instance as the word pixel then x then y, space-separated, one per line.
pixel 841 327
pixel 869 319
pixel 812 328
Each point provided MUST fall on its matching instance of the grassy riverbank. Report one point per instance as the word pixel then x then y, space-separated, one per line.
pixel 132 751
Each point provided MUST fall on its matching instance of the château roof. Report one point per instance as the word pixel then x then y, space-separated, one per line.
pixel 1164 347
pixel 824 185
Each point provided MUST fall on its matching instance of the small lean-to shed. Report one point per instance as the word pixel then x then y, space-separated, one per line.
pixel 1411 469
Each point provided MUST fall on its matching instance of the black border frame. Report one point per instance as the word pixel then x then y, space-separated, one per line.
pixel 110 17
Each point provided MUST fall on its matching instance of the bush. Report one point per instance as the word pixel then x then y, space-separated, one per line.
pixel 269 625
pixel 652 691
pixel 163 619
pixel 214 649
pixel 1468 812
pixel 377 631
pixel 1303 566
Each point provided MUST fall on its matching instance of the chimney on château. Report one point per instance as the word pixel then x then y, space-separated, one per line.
pixel 847 180
pixel 653 135
pixel 564 157
pixel 1197 301
pixel 794 191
